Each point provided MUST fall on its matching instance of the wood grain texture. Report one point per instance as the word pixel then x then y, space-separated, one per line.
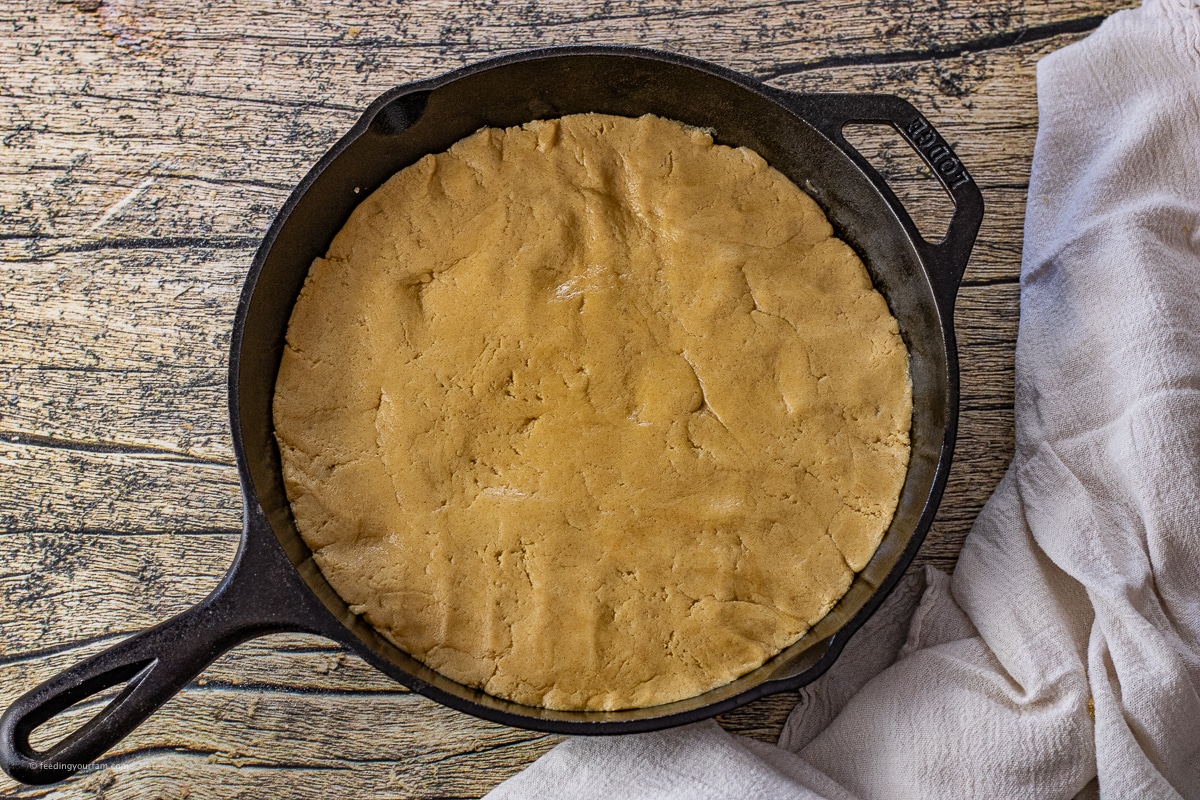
pixel 145 145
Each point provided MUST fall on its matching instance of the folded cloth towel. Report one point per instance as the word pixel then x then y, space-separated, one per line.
pixel 1063 658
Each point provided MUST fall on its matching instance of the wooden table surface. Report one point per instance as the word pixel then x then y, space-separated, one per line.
pixel 145 146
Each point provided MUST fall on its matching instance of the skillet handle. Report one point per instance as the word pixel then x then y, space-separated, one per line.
pixel 256 598
pixel 830 113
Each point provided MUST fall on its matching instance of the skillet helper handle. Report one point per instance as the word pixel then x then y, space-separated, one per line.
pixel 830 113
pixel 153 664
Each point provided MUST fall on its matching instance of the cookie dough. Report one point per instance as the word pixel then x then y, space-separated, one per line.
pixel 592 413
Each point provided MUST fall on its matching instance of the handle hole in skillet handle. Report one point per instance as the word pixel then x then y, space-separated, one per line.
pixel 56 729
pixel 63 718
pixel 927 201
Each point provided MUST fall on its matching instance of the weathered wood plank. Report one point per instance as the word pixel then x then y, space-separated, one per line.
pixel 67 489
pixel 997 254
pixel 984 450
pixel 181 410
pixel 323 40
pixel 63 587
pixel 133 309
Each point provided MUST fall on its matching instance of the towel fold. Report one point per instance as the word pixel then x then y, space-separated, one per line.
pixel 1063 657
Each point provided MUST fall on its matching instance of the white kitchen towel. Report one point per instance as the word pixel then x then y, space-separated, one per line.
pixel 1063 657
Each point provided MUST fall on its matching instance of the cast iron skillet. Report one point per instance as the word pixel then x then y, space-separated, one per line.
pixel 274 584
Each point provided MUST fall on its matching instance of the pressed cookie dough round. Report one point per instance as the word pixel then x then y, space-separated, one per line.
pixel 592 413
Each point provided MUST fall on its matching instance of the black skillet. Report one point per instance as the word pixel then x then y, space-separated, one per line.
pixel 274 584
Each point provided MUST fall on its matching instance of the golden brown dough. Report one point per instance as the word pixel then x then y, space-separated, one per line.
pixel 592 413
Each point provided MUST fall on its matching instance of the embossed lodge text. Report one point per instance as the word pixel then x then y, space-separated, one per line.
pixel 938 153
